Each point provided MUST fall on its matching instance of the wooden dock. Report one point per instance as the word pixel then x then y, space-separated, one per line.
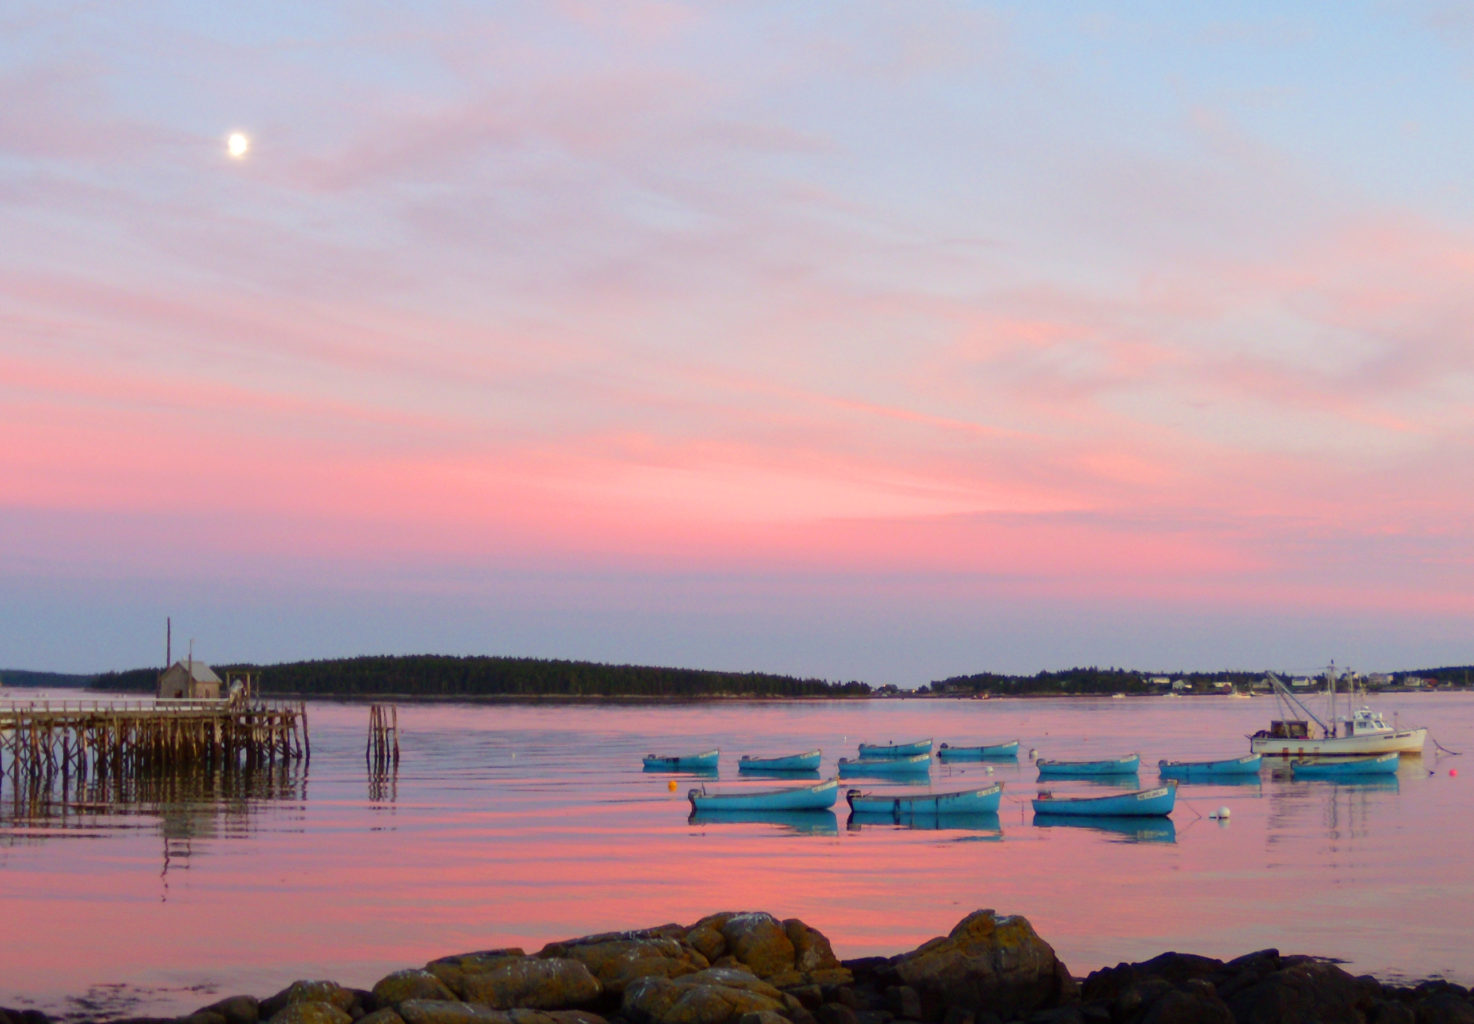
pixel 82 738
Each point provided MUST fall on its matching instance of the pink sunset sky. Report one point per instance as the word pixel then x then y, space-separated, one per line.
pixel 866 341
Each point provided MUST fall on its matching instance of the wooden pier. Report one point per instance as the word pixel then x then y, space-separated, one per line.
pixel 82 738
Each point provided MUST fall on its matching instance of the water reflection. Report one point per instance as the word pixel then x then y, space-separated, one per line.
pixel 858 821
pixel 1126 830
pixel 803 822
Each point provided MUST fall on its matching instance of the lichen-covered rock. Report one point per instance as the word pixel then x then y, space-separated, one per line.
pixel 986 963
pixel 452 970
pixel 618 960
pixel 759 942
pixel 328 992
pixel 717 995
pixel 555 983
pixel 411 983
pixel 383 1015
pixel 236 1009
pixel 440 1011
pixel 310 1013
pixel 811 950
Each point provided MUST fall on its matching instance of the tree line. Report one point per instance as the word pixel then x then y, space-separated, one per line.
pixel 433 675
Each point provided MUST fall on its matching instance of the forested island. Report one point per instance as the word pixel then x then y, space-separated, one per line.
pixel 432 675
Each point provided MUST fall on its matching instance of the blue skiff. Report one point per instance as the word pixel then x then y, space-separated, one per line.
pixel 682 762
pixel 915 764
pixel 985 752
pixel 1127 765
pixel 967 801
pixel 896 749
pixel 818 797
pixel 1140 802
pixel 1246 765
pixel 808 762
pixel 1345 767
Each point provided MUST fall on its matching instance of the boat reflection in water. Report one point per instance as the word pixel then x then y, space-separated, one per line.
pixel 822 823
pixel 1123 829
pixel 989 823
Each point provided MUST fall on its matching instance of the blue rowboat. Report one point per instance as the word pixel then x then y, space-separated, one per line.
pixel 1139 802
pixel 682 762
pixel 913 765
pixel 1246 765
pixel 1127 765
pixel 896 749
pixel 808 762
pixel 818 797
pixel 1345 767
pixel 985 752
pixel 899 805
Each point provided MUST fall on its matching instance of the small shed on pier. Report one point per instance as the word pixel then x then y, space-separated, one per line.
pixel 189 678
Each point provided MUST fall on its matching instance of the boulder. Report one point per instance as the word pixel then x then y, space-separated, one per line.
pixel 619 959
pixel 383 1015
pixel 329 992
pixel 452 970
pixel 986 964
pixel 554 983
pixel 411 983
pixel 310 1013
pixel 1305 990
pixel 716 995
pixel 236 1009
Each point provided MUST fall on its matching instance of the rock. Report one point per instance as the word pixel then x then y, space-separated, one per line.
pixel 621 959
pixel 837 1013
pixel 555 983
pixel 760 943
pixel 986 963
pixel 439 1011
pixel 452 970
pixel 383 1015
pixel 811 950
pixel 1306 990
pixel 202 1017
pixel 1192 1004
pixel 411 983
pixel 236 1009
pixel 329 992
pixel 310 1012
pixel 1444 1007
pixel 716 995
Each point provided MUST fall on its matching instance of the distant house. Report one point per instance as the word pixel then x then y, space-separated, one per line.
pixel 189 678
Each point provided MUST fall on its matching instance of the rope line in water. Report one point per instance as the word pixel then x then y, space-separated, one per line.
pixel 1440 746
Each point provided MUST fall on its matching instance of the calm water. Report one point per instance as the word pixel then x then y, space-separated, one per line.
pixel 516 825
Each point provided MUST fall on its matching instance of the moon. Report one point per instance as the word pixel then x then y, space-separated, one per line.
pixel 237 145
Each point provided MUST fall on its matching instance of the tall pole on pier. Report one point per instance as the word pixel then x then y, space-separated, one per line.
pixel 168 641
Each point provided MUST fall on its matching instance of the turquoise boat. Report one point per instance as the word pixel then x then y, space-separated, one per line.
pixel 913 765
pixel 985 752
pixel 1189 770
pixel 966 801
pixel 819 797
pixel 1152 802
pixel 896 749
pixel 703 762
pixel 808 762
pixel 1127 765
pixel 1345 767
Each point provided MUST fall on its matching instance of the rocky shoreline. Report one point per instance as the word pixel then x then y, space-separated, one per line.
pixel 752 968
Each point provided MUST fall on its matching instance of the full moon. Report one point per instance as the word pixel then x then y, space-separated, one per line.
pixel 237 145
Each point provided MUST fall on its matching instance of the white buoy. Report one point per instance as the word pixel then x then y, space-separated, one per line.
pixel 1221 814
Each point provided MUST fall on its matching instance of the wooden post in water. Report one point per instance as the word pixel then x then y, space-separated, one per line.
pixel 383 738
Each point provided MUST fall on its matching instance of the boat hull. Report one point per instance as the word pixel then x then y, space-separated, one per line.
pixel 896 749
pixel 818 797
pixel 1249 764
pixel 915 765
pixel 808 762
pixel 1352 768
pixel 1399 741
pixel 985 752
pixel 706 761
pixel 969 801
pixel 1153 802
pixel 1063 769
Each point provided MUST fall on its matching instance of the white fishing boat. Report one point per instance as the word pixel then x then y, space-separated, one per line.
pixel 1356 733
